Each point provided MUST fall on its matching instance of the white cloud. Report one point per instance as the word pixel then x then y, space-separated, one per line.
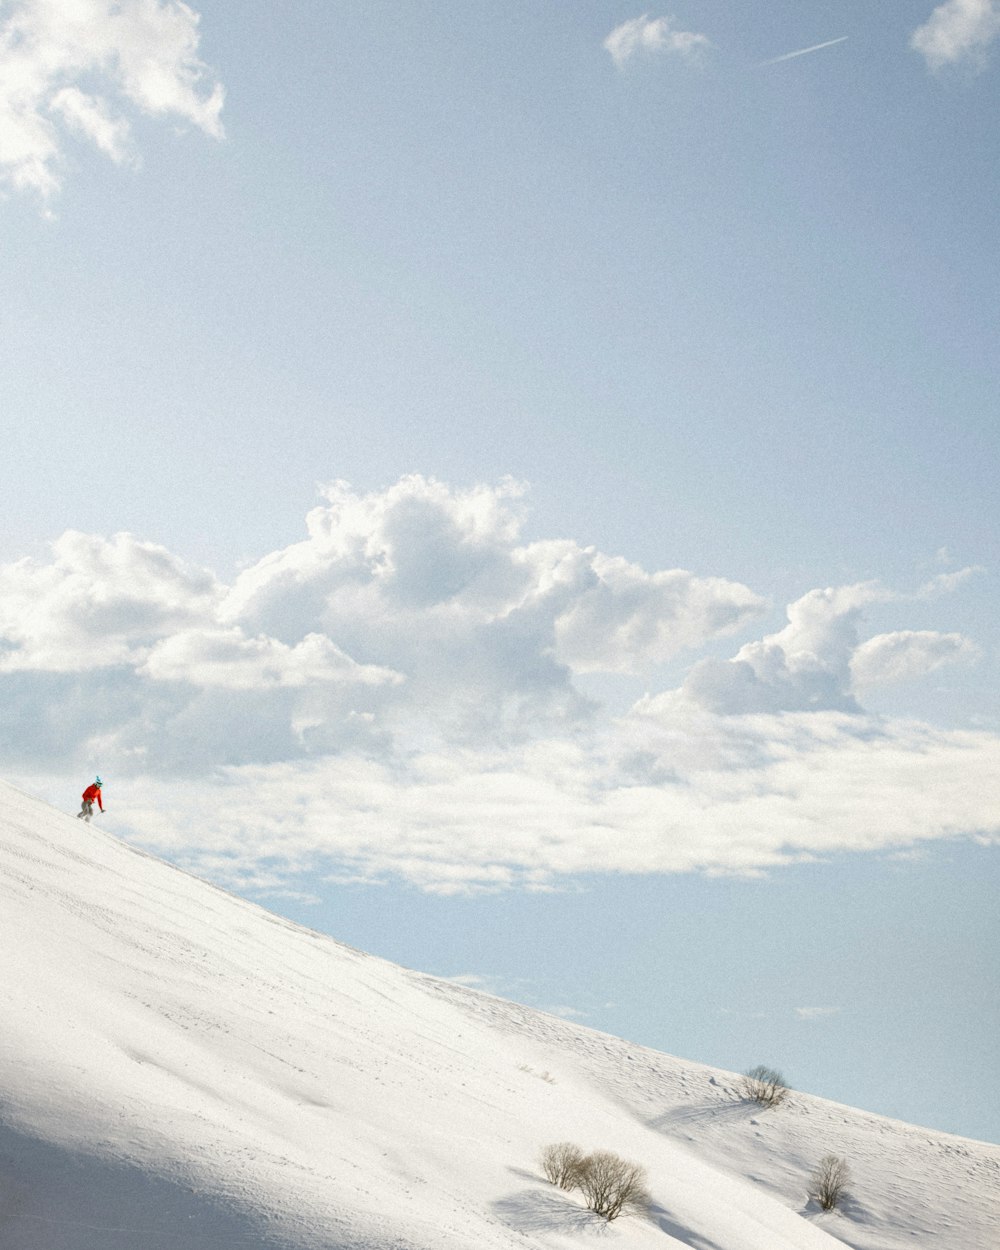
pixel 906 654
pixel 228 659
pixel 412 613
pixel 623 619
pixel 99 603
pixel 78 63
pixel 658 793
pixel 566 1013
pixel 652 36
pixel 947 583
pixel 819 661
pixel 510 622
pixel 396 696
pixel 804 667
pixel 91 117
pixel 816 1013
pixel 958 31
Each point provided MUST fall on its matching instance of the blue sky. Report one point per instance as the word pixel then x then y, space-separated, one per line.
pixel 638 380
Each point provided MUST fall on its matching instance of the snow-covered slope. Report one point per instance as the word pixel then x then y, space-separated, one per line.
pixel 179 1068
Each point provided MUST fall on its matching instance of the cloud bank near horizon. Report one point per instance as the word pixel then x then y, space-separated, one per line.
pixel 76 67
pixel 402 694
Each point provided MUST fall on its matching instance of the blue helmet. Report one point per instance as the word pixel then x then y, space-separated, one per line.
pixel 97 781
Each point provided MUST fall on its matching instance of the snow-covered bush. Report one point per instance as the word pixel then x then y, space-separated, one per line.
pixel 612 1185
pixel 609 1183
pixel 561 1164
pixel 764 1085
pixel 828 1181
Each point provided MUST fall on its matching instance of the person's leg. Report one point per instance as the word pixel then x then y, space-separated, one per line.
pixel 88 810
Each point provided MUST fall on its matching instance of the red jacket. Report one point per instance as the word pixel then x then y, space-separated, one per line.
pixel 93 792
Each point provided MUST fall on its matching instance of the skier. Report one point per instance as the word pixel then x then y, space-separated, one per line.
pixel 92 792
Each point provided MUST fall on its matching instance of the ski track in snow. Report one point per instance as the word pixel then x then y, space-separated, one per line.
pixel 181 1069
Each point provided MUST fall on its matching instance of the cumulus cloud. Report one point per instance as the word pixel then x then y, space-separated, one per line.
pixel 397 696
pixel 819 661
pixel 622 619
pixel 98 603
pixel 958 31
pixel 511 622
pixel 77 64
pixel 804 667
pixel 652 37
pixel 411 611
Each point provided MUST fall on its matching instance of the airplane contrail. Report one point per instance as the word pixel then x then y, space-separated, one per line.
pixel 802 51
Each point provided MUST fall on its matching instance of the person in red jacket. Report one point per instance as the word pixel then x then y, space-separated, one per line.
pixel 89 795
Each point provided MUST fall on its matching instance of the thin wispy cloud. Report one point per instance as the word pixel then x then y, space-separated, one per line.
pixel 816 47
pixel 566 1013
pixel 816 1013
pixel 653 37
pixel 80 67
pixel 960 31
pixel 947 583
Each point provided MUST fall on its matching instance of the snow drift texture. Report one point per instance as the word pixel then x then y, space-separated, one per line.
pixel 179 1068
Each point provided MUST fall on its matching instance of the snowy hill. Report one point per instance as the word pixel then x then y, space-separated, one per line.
pixel 179 1068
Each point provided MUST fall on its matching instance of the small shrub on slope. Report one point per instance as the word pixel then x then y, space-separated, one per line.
pixel 763 1085
pixel 612 1185
pixel 561 1164
pixel 829 1181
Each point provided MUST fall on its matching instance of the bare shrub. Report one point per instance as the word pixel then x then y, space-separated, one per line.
pixel 763 1085
pixel 561 1164
pixel 612 1185
pixel 828 1181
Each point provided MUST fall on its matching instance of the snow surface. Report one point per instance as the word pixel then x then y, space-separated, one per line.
pixel 180 1068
